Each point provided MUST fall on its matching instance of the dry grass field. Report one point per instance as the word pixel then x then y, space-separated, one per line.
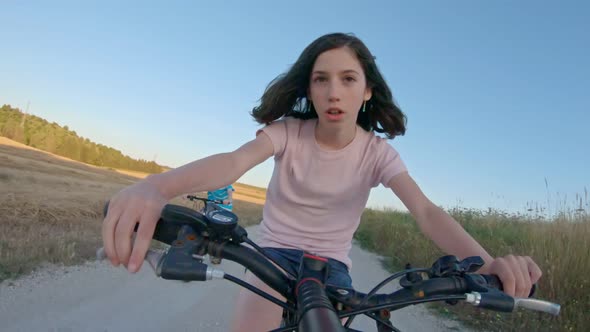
pixel 50 207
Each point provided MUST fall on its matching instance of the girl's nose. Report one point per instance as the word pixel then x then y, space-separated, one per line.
pixel 334 91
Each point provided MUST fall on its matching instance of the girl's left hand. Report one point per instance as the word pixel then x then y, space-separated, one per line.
pixel 517 273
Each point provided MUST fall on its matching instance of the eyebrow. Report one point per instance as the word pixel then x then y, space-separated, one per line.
pixel 348 71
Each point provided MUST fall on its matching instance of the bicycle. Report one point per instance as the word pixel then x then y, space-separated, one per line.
pixel 312 305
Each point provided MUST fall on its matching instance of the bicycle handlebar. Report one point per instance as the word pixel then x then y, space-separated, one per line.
pixel 191 235
pixel 197 198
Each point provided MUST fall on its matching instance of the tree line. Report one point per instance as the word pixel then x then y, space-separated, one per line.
pixel 41 134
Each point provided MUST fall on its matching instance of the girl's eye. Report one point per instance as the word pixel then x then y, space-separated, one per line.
pixel 349 79
pixel 319 79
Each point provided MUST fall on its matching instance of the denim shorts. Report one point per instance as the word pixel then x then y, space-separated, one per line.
pixel 289 260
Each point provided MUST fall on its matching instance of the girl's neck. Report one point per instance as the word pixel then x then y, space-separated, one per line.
pixel 334 137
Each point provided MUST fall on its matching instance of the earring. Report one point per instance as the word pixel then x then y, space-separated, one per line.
pixel 309 105
pixel 364 105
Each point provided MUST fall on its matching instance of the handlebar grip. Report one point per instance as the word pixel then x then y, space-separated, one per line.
pixel 500 301
pixel 497 301
pixel 538 305
pixel 172 218
pixel 314 305
pixel 495 282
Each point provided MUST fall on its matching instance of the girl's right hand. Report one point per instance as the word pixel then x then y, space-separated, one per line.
pixel 142 204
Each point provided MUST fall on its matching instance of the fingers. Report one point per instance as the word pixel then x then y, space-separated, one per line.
pixel 521 275
pixel 534 270
pixel 123 235
pixel 140 203
pixel 524 264
pixel 518 274
pixel 108 233
pixel 145 232
pixel 502 269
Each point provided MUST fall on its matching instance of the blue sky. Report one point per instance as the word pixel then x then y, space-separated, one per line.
pixel 496 93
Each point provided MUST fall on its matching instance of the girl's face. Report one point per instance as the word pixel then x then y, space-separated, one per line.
pixel 338 87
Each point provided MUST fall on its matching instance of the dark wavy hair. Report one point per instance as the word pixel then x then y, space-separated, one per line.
pixel 286 95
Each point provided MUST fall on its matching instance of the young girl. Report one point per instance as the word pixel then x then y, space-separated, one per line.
pixel 321 118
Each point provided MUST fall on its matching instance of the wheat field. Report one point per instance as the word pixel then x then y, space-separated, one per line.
pixel 51 207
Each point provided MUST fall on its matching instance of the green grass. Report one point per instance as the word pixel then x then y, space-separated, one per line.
pixel 560 246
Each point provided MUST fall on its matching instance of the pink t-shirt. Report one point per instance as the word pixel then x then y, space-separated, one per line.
pixel 315 197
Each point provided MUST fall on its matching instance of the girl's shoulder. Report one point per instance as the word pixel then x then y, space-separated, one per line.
pixel 295 122
pixel 293 126
pixel 286 122
pixel 284 133
pixel 373 140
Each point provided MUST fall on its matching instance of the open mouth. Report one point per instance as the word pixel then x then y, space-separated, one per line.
pixel 334 111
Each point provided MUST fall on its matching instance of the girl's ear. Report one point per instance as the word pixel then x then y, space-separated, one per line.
pixel 368 93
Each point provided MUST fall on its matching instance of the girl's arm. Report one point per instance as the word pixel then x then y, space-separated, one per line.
pixel 517 273
pixel 143 202
pixel 215 171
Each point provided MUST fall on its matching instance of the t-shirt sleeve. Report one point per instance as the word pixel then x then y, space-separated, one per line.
pixel 389 164
pixel 277 132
